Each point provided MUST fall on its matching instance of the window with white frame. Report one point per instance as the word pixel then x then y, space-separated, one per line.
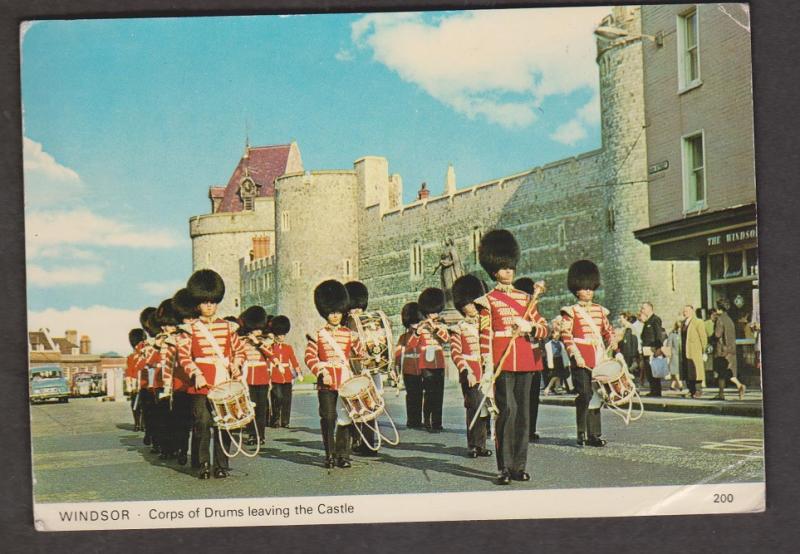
pixel 268 277
pixel 416 261
pixel 475 243
pixel 285 221
pixel 688 50
pixel 694 172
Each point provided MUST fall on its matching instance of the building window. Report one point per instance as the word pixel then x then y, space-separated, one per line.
pixel 285 221
pixel 348 268
pixel 416 261
pixel 236 302
pixel 248 203
pixel 297 269
pixel 562 236
pixel 694 172
pixel 264 282
pixel 268 277
pixel 475 243
pixel 688 50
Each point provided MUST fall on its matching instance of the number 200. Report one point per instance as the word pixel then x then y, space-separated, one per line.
pixel 723 498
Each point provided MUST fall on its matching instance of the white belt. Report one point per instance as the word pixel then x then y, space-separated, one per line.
pixel 411 355
pixel 592 342
pixel 470 357
pixel 503 334
pixel 209 360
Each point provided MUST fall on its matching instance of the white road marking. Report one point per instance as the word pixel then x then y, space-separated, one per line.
pixel 663 446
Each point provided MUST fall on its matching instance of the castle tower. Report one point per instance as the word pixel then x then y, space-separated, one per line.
pixel 629 275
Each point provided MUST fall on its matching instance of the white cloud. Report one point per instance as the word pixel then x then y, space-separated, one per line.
pixel 69 252
pixel 161 288
pixel 590 112
pixel 60 276
pixel 47 182
pixel 569 133
pixel 498 64
pixel 344 55
pixel 107 327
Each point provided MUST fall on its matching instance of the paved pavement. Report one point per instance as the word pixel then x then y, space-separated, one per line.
pixel 87 450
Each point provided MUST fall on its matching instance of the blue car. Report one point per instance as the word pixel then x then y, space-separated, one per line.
pixel 48 383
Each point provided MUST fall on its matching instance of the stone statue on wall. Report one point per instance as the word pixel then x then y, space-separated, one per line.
pixel 450 268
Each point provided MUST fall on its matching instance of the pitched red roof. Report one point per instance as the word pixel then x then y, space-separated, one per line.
pixel 264 165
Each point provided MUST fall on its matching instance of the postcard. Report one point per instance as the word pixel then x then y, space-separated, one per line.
pixel 392 267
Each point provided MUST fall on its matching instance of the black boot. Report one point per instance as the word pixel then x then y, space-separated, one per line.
pixel 504 478
pixel 205 471
pixel 581 439
pixel 182 459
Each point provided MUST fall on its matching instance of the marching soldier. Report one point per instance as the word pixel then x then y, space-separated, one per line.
pixel 526 284
pixel 135 337
pixel 212 354
pixel 506 317
pixel 257 370
pixel 328 355
pixel 465 351
pixel 586 332
pixel 165 358
pixel 147 372
pixel 432 336
pixel 181 419
pixel 406 358
pixel 285 370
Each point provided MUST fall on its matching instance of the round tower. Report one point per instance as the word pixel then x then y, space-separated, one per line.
pixel 630 277
pixel 316 231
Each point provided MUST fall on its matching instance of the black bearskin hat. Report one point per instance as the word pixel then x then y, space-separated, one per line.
pixel 268 323
pixel 166 315
pixel 465 290
pixel 280 325
pixel 410 314
pixel 135 336
pixel 498 250
pixel 147 321
pixel 525 284
pixel 184 305
pixel 206 285
pixel 254 317
pixel 331 296
pixel 359 296
pixel 431 301
pixel 583 274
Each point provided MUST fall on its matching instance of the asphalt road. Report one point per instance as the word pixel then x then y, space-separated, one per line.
pixel 87 451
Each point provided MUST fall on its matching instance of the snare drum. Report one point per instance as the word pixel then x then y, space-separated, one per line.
pixel 614 383
pixel 375 333
pixel 361 399
pixel 231 405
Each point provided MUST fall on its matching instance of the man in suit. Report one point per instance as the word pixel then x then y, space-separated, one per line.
pixel 652 339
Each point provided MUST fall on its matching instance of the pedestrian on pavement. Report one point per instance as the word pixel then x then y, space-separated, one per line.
pixel 693 346
pixel 557 361
pixel 673 346
pixel 725 364
pixel 628 342
pixel 652 339
pixel 636 327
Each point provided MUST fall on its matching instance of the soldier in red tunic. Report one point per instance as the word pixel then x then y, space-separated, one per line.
pixel 328 355
pixel 465 351
pixel 144 352
pixel 432 336
pixel 165 358
pixel 212 355
pixel 526 284
pixel 586 332
pixel 135 337
pixel 406 356
pixel 505 325
pixel 257 369
pixel 181 417
pixel 285 370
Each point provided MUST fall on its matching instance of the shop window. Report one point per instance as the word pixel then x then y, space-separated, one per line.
pixel 688 50
pixel 694 173
pixel 717 266
pixel 734 265
pixel 751 257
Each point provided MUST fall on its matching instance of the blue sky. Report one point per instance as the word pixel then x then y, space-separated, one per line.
pixel 128 122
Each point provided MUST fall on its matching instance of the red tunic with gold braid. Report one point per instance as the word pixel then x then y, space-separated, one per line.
pixel 259 362
pixel 430 338
pixel 198 355
pixel 286 367
pixel 465 347
pixel 180 379
pixel 578 336
pixel 146 358
pixel 321 356
pixel 500 309
pixel 406 354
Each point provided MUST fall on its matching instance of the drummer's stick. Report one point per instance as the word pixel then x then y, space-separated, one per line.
pixel 539 289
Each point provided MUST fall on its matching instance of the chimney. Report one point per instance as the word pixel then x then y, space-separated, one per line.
pixel 72 336
pixel 86 345
pixel 423 192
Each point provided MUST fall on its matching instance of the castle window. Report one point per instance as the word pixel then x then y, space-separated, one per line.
pixel 268 278
pixel 348 269
pixel 562 236
pixel 264 282
pixel 248 203
pixel 475 243
pixel 694 172
pixel 297 268
pixel 611 218
pixel 285 221
pixel 688 51
pixel 236 302
pixel 416 261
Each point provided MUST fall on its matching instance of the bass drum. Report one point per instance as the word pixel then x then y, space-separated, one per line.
pixel 375 333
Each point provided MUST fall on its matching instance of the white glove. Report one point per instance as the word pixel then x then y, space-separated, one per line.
pixel 523 325
pixel 486 383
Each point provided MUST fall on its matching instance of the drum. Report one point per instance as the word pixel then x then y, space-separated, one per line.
pixel 361 399
pixel 375 333
pixel 231 405
pixel 614 383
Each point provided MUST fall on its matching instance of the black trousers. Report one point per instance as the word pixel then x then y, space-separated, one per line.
pixel 147 406
pixel 202 432
pixel 587 420
pixel 476 437
pixel 536 386
pixel 337 439
pixel 180 421
pixel 512 394
pixel 281 398
pixel 413 385
pixel 160 417
pixel 655 384
pixel 138 421
pixel 260 395
pixel 432 397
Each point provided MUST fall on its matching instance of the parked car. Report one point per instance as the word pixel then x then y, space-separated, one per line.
pixel 48 383
pixel 88 384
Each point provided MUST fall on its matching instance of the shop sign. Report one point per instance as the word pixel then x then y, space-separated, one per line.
pixel 733 237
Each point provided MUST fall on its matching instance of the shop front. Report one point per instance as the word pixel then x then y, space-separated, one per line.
pixel 725 243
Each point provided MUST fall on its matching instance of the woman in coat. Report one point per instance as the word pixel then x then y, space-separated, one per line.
pixel 725 365
pixel 673 343
pixel 693 346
